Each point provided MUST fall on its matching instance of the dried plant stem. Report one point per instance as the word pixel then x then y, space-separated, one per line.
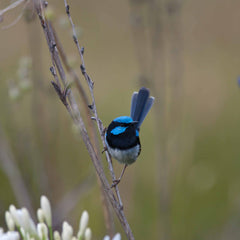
pixel 10 7
pixel 15 21
pixel 164 70
pixel 108 216
pixel 93 106
pixel 11 170
pixel 74 112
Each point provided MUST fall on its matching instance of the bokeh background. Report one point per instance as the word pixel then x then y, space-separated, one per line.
pixel 186 182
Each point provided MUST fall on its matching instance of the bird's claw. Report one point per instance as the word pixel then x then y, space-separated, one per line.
pixel 104 149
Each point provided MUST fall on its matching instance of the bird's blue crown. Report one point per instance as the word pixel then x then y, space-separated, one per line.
pixel 121 129
pixel 123 119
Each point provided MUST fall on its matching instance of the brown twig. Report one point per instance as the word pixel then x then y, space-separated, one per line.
pixel 75 114
pixel 108 216
pixel 163 27
pixel 16 20
pixel 93 105
pixel 10 7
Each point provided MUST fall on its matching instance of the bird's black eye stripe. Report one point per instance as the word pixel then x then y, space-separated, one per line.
pixel 115 124
pixel 123 124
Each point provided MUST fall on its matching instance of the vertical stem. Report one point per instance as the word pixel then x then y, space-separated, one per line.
pixel 11 170
pixel 92 131
pixel 75 114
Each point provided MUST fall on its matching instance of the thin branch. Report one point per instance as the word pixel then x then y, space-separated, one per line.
pixel 17 18
pixel 108 216
pixel 93 105
pixel 14 22
pixel 163 26
pixel 76 116
pixel 10 7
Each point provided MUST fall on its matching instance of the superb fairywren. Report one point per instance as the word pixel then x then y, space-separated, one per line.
pixel 122 135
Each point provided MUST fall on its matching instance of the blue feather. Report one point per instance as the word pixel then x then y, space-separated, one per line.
pixel 118 130
pixel 123 119
pixel 137 133
pixel 140 105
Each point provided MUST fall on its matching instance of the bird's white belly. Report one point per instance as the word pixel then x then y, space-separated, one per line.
pixel 127 156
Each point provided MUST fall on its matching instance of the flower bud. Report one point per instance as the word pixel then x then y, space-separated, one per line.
pixel 56 235
pixel 67 231
pixel 106 238
pixel 40 215
pixel 14 214
pixel 42 231
pixel 117 237
pixel 83 223
pixel 9 221
pixel 88 234
pixel 46 207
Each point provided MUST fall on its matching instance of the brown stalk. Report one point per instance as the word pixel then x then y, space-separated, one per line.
pixel 108 216
pixel 69 102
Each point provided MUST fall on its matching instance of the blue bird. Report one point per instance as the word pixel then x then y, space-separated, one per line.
pixel 122 135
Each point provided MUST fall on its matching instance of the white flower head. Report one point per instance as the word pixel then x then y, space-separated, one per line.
pixel 40 215
pixel 56 235
pixel 21 218
pixel 46 207
pixel 106 238
pixel 15 214
pixel 83 223
pixel 11 235
pixel 9 221
pixel 32 227
pixel 27 222
pixel 88 234
pixel 117 237
pixel 42 231
pixel 67 231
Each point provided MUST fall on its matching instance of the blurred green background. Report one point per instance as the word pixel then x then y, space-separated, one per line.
pixel 186 182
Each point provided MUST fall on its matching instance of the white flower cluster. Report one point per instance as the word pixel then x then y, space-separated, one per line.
pixel 21 225
pixel 116 237
pixel 22 82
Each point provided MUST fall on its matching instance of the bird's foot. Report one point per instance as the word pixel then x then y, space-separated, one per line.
pixel 104 149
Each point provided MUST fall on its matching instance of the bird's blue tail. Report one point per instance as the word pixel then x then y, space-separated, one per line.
pixel 140 106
